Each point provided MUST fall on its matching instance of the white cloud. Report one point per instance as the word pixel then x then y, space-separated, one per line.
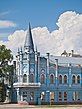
pixel 4 13
pixel 67 37
pixel 7 24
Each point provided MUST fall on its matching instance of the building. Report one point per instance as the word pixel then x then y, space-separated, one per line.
pixel 46 79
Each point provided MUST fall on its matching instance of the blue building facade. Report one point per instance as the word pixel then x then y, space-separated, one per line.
pixel 43 79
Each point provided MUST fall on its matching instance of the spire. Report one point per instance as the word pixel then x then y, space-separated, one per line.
pixel 29 40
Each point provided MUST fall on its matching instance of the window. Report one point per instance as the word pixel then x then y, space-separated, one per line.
pixel 73 79
pixel 78 95
pixel 51 79
pixel 52 96
pixel 31 78
pixel 31 96
pixel 19 96
pixel 42 79
pixel 65 96
pixel 78 79
pixel 60 96
pixel 42 96
pixel 65 79
pixel 25 78
pixel 73 96
pixel 24 96
pixel 60 79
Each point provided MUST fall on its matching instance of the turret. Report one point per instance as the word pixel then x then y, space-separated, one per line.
pixel 21 54
pixel 29 50
pixel 18 64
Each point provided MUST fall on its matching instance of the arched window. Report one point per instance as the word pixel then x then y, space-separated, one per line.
pixel 60 79
pixel 31 78
pixel 78 79
pixel 24 78
pixel 73 79
pixel 65 79
pixel 42 79
pixel 51 79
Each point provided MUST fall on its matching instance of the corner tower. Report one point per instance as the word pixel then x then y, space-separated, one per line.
pixel 30 57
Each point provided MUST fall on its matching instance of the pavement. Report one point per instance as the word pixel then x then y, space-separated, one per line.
pixel 17 106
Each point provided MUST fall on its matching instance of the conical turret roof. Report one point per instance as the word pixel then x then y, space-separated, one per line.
pixel 29 40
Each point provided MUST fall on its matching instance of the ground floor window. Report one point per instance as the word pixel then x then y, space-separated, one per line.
pixel 31 96
pixel 73 96
pixel 24 96
pixel 52 96
pixel 42 96
pixel 19 96
pixel 78 95
pixel 65 96
pixel 60 96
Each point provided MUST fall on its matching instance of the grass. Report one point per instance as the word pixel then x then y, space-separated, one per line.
pixel 54 106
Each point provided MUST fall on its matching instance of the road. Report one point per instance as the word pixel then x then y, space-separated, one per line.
pixel 16 106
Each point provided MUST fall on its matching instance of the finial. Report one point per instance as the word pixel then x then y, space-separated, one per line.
pixel 29 27
pixel 21 48
pixel 18 50
pixel 36 48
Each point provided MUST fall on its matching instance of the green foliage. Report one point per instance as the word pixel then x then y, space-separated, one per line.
pixel 5 69
pixel 5 56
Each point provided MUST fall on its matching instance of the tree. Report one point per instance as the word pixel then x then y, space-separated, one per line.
pixel 5 69
pixel 5 56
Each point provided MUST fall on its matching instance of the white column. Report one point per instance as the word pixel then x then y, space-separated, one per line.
pixel 18 68
pixel 69 75
pixel 18 94
pixel 48 63
pixel 36 66
pixel 28 62
pixel 47 73
pixel 56 76
pixel 56 68
pixel 21 67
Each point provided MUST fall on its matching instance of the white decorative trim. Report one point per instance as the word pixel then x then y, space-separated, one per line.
pixel 42 74
pixel 52 74
pixel 27 84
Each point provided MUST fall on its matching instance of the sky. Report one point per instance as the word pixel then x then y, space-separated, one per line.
pixel 56 24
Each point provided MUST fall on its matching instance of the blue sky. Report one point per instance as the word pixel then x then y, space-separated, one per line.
pixel 39 13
